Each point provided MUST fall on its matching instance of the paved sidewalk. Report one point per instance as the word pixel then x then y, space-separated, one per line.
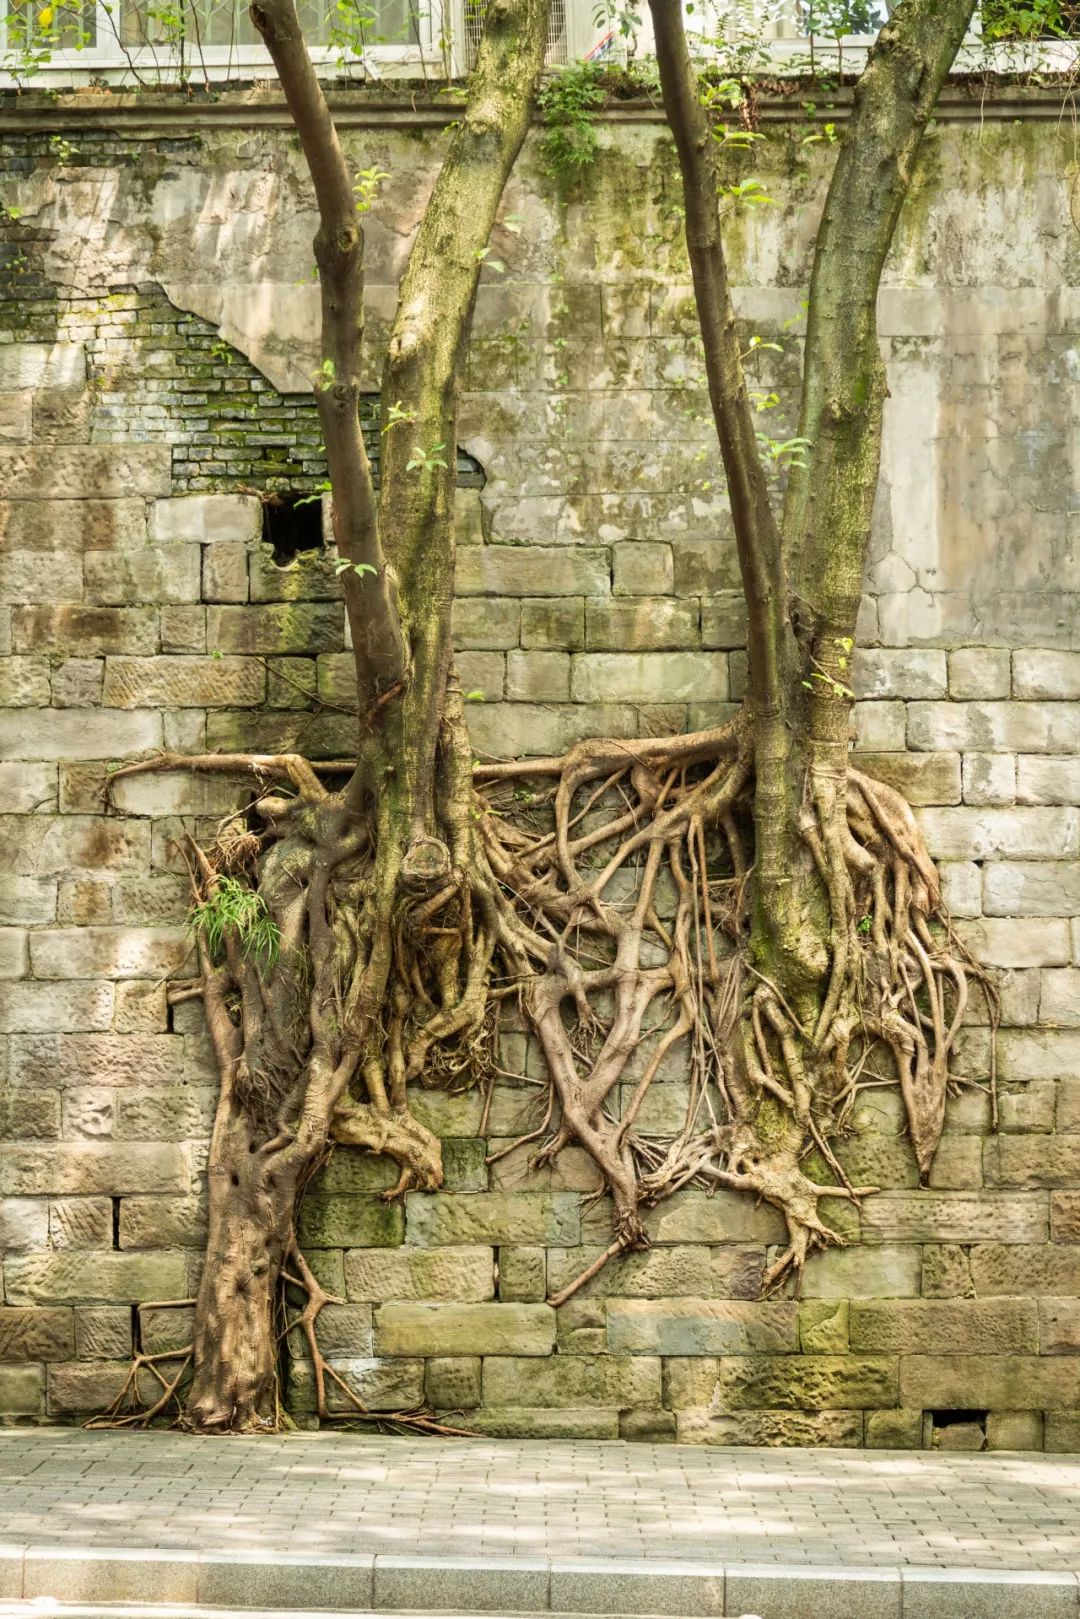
pixel 527 1513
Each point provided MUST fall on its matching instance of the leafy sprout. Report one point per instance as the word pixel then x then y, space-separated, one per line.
pixel 233 906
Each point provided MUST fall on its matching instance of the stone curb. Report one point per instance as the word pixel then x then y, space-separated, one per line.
pixel 385 1583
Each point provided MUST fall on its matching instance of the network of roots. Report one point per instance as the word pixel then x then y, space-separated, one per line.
pixel 603 897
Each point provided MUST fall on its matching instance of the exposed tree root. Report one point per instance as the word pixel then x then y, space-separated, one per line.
pixel 607 891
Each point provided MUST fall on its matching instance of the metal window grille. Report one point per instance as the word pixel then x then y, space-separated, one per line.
pixel 476 11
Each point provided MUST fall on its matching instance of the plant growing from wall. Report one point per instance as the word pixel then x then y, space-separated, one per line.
pixel 740 894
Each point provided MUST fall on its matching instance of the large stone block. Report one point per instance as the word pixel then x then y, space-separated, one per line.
pixel 706 1426
pixel 1031 1161
pixel 28 789
pixel 24 1223
pixel 22 1391
pixel 1047 781
pixel 993 727
pixel 649 677
pixel 656 1273
pixel 883 672
pixel 955 1216
pixel 44 1334
pixel 178 792
pixel 62 845
pixel 923 778
pixel 572 1381
pixel 701 1327
pixel 277 628
pixel 84 1277
pixel 1059 997
pixel 529 1422
pixel 162 1222
pixel 492 625
pixel 989 1382
pixel 42 365
pixel 49 733
pixel 691 1217
pixel 1065 1216
pixel 62 471
pixel 86 1167
pixel 29 1114
pixel 447 1219
pixel 76 1388
pixel 99 1059
pixel 109 952
pixel 24 683
pixel 34 1007
pixel 979 672
pixel 184 682
pixel 1045 673
pixel 1038 1053
pixel 465 1329
pixel 968 832
pixel 169 1113
pixel 863 1273
pixel 74 526
pixel 534 570
pixel 1017 941
pixel 1059 1326
pixel 85 632
pixel 350 1222
pixel 80 1222
pixel 975 1326
pixel 645 623
pixel 203 519
pixel 444 1274
pixel 453 1382
pixel 1024 1270
pixel 381 1385
pixel 810 1382
pixel 164 574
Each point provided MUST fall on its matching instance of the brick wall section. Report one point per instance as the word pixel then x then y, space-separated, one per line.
pixel 597 592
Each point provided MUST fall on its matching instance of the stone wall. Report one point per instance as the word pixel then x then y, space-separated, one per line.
pixel 157 336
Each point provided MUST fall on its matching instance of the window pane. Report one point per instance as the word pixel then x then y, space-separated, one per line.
pixel 350 24
pixel 33 25
pixel 837 17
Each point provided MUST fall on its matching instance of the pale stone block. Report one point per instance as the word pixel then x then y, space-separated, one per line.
pixel 922 778
pixel 62 415
pixel 701 1326
pixel 642 568
pixel 954 1217
pixel 1028 1108
pixel 61 471
pixel 1014 1430
pixel 880 727
pixel 863 1273
pixel 107 1167
pixel 571 1380
pixel 723 620
pixel 491 625
pixel 485 672
pixel 1059 999
pixel 14 953
pixel 75 1388
pixel 42 365
pixel 277 628
pixel 183 630
pixel 1038 673
pixel 534 570
pixel 184 682
pixel 989 1382
pixel 882 672
pixel 162 1222
pixel 990 778
pixel 167 1113
pixel 961 887
pixel 1024 1270
pixel 501 1329
pixel 77 683
pixel 15 417
pixel 85 631
pixel 553 624
pixel 109 952
pixel 26 788
pixel 1059 1326
pixel 461 1274
pixel 24 682
pixel 538 677
pixel 1038 1053
pixel 37 1007
pixel 436 1220
pixel 1048 781
pixel 991 727
pixel 86 1277
pixel 165 574
pixel 981 834
pixel 22 1391
pixel 206 519
pixel 909 1326
pixel 1031 1161
pixel 225 573
pixel 24 1223
pixel 102 1332
pixel 73 525
pixel 655 1273
pixel 80 1222
pixel 709 1426
pixel 27 576
pixel 382 1385
pixel 649 677
pixel 1032 888
pixel 979 672
pixel 811 1382
pixel 77 734
pixel 1017 941
pixel 647 623
pixel 727 1216
pixel 89 1112
pixel 1065 1216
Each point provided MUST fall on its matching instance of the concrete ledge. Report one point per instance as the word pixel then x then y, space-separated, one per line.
pixel 159 1584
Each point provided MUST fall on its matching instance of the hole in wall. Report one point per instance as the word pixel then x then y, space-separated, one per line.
pixel 291 526
pixel 953 1419
pixel 116 1222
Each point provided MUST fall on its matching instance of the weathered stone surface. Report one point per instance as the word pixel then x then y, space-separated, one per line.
pixel 539 677
pixel 36 1334
pixel 1024 1270
pixel 701 1327
pixel 495 625
pixel 643 624
pixel 648 677
pixel 184 682
pixel 913 1326
pixel 202 519
pixel 441 1219
pixel 464 1329
pixel 993 727
pixel 22 1391
pixel 447 1273
pixel 86 1167
pixel 642 568
pixel 1047 781
pixel 77 733
pixel 1017 942
pixel 29 1114
pixel 839 1429
pixel 863 1273
pixel 1044 673
pixel 166 574
pixel 527 1422
pixel 33 1007
pixel 813 1382
pixel 894 1430
pixel 523 1274
pixel 86 1277
pixel 534 570
pixel 923 778
pixel 62 471
pixel 1065 1216
pixel 278 628
pixel 954 1217
pixel 979 673
pixel 73 525
pixel 690 1216
pixel 1038 1053
pixel 162 1222
pixel 42 365
pixel 1059 998
pixel 99 1059
pixel 1059 1326
pixel 991 778
pixel 1031 1161
pixel 657 1273
pixel 26 789
pixel 170 1113
pixel 162 1330
pixel 572 1380
pixel 348 1222
pixel 883 672
pixel 453 1382
pixel 24 1223
pixel 109 952
pixel 969 832
pixel 80 1222
pixel 824 1327
pixel 382 1385
pixel 984 1382
pixel 83 1389
pixel 344 1329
